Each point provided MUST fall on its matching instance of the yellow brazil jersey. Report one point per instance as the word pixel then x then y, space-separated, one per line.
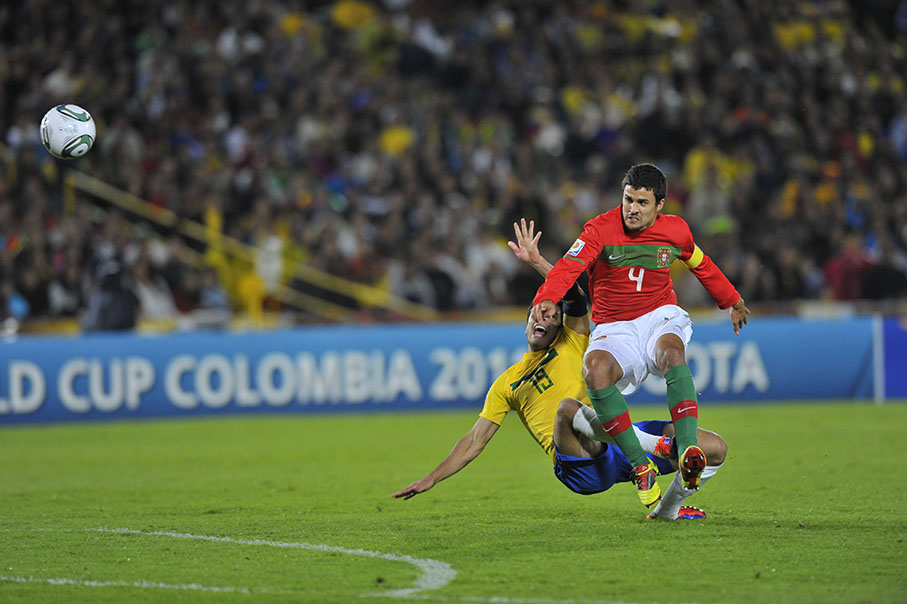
pixel 535 386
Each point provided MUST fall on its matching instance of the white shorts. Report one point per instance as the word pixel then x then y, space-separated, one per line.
pixel 632 343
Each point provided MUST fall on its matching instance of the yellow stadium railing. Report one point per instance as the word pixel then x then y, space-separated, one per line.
pixel 285 295
pixel 367 296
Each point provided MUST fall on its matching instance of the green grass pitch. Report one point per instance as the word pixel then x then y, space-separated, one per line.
pixel 809 507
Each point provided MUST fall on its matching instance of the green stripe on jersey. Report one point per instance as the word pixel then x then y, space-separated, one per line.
pixel 551 354
pixel 645 256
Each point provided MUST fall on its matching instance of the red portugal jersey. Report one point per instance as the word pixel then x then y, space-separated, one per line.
pixel 629 272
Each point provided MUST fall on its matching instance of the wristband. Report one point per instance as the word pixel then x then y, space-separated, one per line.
pixel 575 302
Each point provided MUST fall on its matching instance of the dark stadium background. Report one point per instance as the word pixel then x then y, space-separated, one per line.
pixel 332 145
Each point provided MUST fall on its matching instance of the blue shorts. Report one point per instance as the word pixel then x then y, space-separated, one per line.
pixel 588 476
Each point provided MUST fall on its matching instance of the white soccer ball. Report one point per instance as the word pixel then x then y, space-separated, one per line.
pixel 67 131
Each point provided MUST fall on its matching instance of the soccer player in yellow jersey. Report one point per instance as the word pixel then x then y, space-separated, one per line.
pixel 547 390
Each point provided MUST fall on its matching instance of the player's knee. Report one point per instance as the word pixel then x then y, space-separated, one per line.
pixel 714 447
pixel 600 370
pixel 567 408
pixel 669 358
pixel 718 453
pixel 566 437
pixel 566 411
pixel 669 353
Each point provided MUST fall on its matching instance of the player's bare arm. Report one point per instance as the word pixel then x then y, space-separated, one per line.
pixel 466 449
pixel 526 248
pixel 738 315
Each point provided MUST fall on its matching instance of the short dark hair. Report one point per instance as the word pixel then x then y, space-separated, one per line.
pixel 646 176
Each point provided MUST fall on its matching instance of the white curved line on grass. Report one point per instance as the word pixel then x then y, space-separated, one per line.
pixel 141 584
pixel 517 600
pixel 435 574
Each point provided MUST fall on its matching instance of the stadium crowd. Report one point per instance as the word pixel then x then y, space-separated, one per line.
pixel 394 143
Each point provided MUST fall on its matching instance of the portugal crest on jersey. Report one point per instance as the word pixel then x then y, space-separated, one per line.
pixel 663 257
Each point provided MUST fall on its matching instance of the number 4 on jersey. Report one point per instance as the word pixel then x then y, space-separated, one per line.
pixel 637 278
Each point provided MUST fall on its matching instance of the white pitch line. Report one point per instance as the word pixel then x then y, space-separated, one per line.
pixel 517 600
pixel 140 584
pixel 435 574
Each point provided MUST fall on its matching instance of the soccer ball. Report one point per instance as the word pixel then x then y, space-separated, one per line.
pixel 67 131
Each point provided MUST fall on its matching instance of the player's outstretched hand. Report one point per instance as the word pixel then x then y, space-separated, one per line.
pixel 420 486
pixel 738 315
pixel 526 247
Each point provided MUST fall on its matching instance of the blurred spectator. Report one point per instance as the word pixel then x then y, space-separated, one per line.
pixel 67 292
pixel 212 295
pixel 493 265
pixel 708 208
pixel 409 281
pixel 844 272
pixel 12 303
pixel 113 305
pixel 154 295
pixel 33 285
pixel 187 293
pixel 884 279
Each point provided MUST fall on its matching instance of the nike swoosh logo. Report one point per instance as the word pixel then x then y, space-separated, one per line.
pixel 613 257
pixel 685 409
pixel 608 430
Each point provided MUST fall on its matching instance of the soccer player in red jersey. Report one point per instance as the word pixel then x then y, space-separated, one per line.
pixel 640 329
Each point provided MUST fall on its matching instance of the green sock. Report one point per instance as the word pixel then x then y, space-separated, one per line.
pixel 612 411
pixel 683 405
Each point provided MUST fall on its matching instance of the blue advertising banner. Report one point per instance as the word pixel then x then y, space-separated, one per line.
pixel 778 359
pixel 348 368
pixel 399 367
pixel 895 336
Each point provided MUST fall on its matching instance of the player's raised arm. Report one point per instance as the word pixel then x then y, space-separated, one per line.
pixel 526 248
pixel 466 449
